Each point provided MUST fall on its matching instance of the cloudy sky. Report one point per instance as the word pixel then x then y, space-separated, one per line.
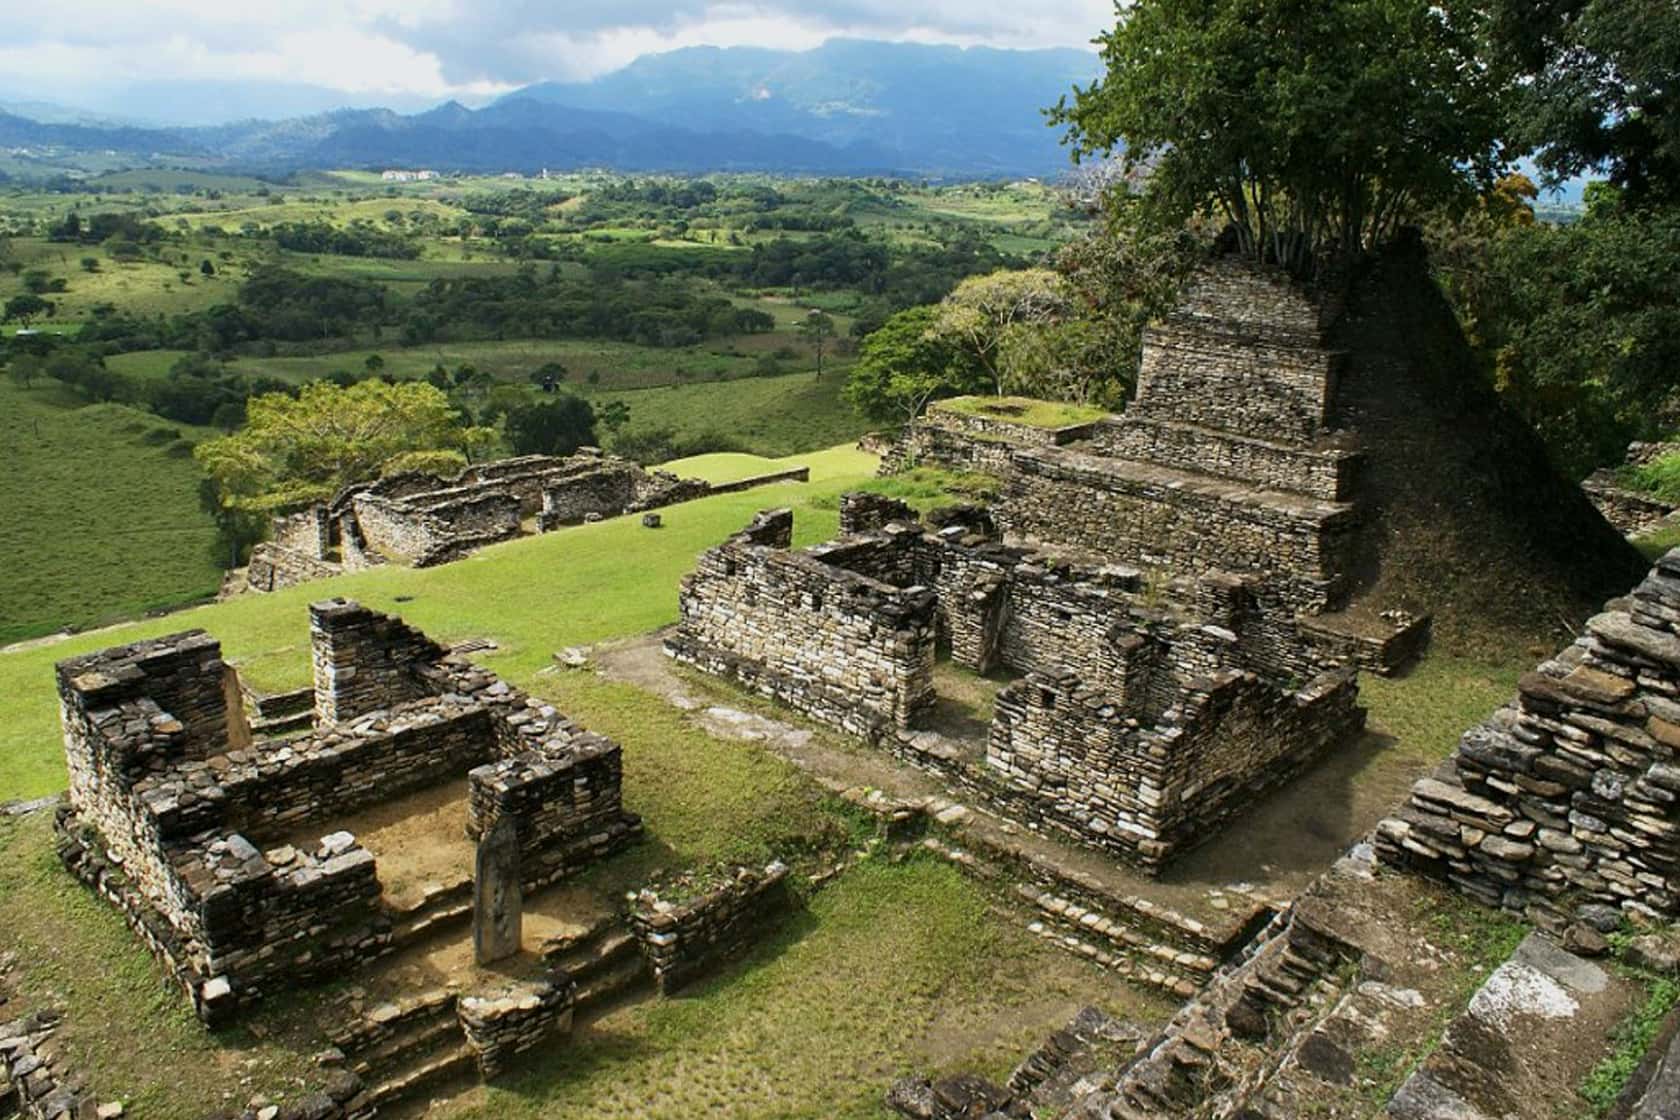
pixel 404 52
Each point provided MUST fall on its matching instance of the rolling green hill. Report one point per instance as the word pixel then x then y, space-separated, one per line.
pixel 102 517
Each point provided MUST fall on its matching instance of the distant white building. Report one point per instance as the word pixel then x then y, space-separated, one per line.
pixel 407 176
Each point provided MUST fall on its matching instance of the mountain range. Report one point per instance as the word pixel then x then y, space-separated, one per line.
pixel 848 107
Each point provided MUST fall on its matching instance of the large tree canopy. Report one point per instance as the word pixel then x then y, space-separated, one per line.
pixel 304 448
pixel 1601 89
pixel 1309 125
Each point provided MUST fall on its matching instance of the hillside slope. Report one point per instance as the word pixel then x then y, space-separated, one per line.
pixel 1467 516
pixel 102 515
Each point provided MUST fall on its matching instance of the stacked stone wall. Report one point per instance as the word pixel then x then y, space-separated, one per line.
pixel 1149 515
pixel 842 647
pixel 305 532
pixel 166 822
pixel 500 1025
pixel 1078 760
pixel 566 802
pixel 364 661
pixel 1567 796
pixel 435 531
pixel 863 512
pixel 682 940
pixel 1198 373
pixel 1327 473
pixel 1632 512
pixel 273 568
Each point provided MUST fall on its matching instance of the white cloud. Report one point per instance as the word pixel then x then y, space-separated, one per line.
pixel 469 48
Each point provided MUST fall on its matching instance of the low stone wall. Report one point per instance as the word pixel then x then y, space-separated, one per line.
pixel 708 923
pixel 1142 514
pixel 1632 512
pixel 842 647
pixel 1077 759
pixel 863 512
pixel 1568 796
pixel 501 1024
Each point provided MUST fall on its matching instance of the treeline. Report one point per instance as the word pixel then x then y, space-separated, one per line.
pixel 648 312
pixel 359 239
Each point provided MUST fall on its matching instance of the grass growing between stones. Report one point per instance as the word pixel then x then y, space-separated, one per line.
pixel 1477 941
pixel 101 514
pixel 895 968
pixel 1025 410
pixel 1631 1039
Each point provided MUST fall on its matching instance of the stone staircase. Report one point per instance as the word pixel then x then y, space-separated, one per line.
pixel 1148 945
pixel 604 962
pixel 405 1047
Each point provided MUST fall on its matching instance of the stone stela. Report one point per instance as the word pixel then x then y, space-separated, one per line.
pixel 498 905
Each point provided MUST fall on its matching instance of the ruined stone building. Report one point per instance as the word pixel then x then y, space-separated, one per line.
pixel 180 818
pixel 1169 586
pixel 418 519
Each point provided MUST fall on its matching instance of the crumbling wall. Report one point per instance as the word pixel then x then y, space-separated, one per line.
pixel 1632 512
pixel 1567 796
pixel 709 922
pixel 438 529
pixel 1082 760
pixel 305 532
pixel 842 647
pixel 272 568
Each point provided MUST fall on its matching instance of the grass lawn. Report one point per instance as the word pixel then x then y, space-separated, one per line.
pixel 102 517
pixel 767 415
pixel 1025 410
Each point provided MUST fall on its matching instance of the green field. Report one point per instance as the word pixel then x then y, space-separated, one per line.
pixel 102 517
pixel 766 415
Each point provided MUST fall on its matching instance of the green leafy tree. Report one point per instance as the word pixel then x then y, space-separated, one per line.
pixel 558 426
pixel 1600 88
pixel 24 369
pixel 25 307
pixel 905 364
pixel 817 328
pixel 1308 125
pixel 981 314
pixel 304 448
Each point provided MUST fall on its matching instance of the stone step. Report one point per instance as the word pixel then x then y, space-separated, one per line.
pixel 386 1021
pixel 623 977
pixel 419 1040
pixel 600 954
pixel 443 915
pixel 458 1062
pixel 1093 926
pixel 1128 966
